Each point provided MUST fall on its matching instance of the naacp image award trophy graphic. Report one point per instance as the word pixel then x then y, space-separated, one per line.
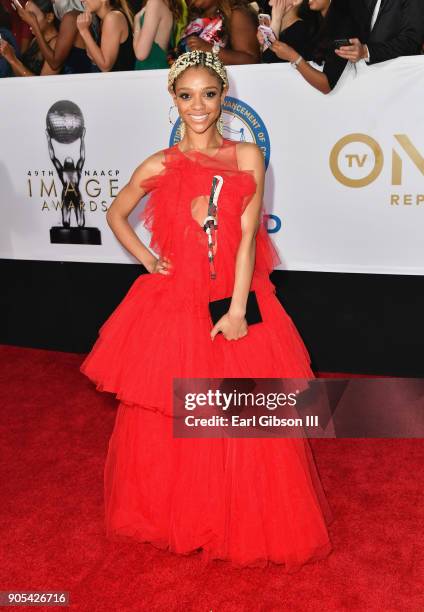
pixel 65 125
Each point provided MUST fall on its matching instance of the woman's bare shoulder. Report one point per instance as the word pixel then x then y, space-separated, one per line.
pixel 151 166
pixel 249 156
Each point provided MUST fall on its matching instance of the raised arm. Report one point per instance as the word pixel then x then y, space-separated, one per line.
pixel 81 160
pixel 314 77
pixel 244 43
pixel 55 161
pixel 104 56
pixel 68 32
pixel 144 37
pixel 124 203
pixel 233 324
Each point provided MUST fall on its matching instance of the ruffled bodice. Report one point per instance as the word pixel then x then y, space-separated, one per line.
pixel 185 182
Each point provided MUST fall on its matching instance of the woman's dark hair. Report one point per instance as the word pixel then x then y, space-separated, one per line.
pixel 311 18
pixel 123 6
pixel 176 8
pixel 340 21
pixel 45 6
pixel 5 19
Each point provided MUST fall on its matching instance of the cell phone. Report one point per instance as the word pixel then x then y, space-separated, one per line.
pixel 342 42
pixel 269 36
pixel 264 19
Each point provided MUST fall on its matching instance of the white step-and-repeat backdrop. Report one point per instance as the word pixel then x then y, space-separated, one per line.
pixel 345 172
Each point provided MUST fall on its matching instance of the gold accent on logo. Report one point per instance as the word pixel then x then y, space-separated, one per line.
pixel 412 153
pixel 366 180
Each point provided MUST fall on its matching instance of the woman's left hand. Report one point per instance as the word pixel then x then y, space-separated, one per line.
pixel 284 51
pixel 84 21
pixel 232 327
pixel 195 43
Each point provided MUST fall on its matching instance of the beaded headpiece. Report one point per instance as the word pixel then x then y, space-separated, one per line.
pixel 197 58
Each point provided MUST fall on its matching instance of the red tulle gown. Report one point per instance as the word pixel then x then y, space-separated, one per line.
pixel 245 500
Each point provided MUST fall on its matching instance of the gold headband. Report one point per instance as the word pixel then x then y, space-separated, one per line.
pixel 197 58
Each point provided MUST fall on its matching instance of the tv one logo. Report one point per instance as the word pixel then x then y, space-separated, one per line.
pixel 357 160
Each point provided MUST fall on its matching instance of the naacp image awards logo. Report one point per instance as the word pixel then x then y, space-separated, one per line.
pixel 241 123
pixel 65 127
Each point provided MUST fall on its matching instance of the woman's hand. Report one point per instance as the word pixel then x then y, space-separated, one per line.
pixel 161 266
pixel 261 38
pixel 84 21
pixel 196 43
pixel 284 51
pixel 232 327
pixel 280 8
pixel 7 51
pixel 25 15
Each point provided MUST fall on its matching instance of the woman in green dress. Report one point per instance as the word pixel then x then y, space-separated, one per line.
pixel 154 29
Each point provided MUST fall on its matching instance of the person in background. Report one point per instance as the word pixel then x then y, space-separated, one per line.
pixel 225 27
pixel 153 29
pixel 69 54
pixel 32 62
pixel 290 25
pixel 335 21
pixel 393 28
pixel 7 41
pixel 115 49
pixel 20 30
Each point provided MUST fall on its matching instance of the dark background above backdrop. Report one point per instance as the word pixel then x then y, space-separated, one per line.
pixel 357 323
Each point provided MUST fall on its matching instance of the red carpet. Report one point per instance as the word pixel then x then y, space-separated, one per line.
pixel 55 430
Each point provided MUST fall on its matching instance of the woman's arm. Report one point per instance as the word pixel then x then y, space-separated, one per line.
pixel 112 27
pixel 47 70
pixel 124 203
pixel 144 37
pixel 314 77
pixel 8 52
pixel 278 10
pixel 56 57
pixel 19 69
pixel 244 44
pixel 233 324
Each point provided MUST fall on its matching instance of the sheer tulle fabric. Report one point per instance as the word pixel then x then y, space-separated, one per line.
pixel 248 501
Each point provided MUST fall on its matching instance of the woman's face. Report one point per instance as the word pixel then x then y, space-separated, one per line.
pixel 43 20
pixel 199 96
pixel 92 5
pixel 319 5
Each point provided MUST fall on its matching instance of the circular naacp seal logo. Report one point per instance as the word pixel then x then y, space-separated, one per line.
pixel 241 122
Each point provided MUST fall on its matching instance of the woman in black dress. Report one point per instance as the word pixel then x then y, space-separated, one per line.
pixel 291 24
pixel 335 19
pixel 115 49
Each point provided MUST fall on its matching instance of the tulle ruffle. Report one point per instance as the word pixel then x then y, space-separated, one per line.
pixel 246 501
pixel 149 339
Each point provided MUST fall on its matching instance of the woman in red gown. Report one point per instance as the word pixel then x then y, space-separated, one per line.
pixel 249 501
